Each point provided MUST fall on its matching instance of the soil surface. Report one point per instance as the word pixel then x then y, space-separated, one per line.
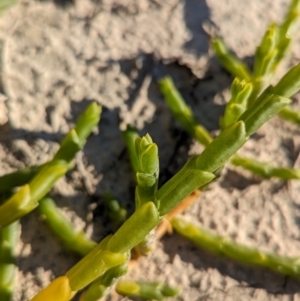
pixel 57 57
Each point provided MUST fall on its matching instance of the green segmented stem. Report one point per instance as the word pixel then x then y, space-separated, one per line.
pixel 240 94
pixel 223 147
pixel 146 290
pixel 259 111
pixel 73 240
pixel 45 179
pixel 230 62
pixel 129 136
pixel 116 213
pixel 94 265
pixel 146 217
pixel 289 84
pixel 101 287
pixel 264 60
pixel 266 170
pixel 8 240
pixel 188 179
pixel 287 87
pixel 148 170
pixel 286 30
pixel 27 197
pixel 114 251
pixel 76 138
pixel 198 171
pixel 256 115
pixel 79 243
pixel 182 111
pixel 266 52
pixel 269 54
pixel 143 154
pixel 145 164
pixel 289 114
pixel 223 246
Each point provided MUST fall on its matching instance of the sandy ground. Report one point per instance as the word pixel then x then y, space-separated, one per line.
pixel 56 59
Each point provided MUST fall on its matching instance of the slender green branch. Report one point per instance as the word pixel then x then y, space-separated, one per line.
pixel 287 30
pixel 182 111
pixel 266 53
pixel 145 290
pixel 289 84
pixel 79 243
pixel 143 155
pixel 73 240
pixel 223 246
pixel 266 170
pixel 240 94
pixel 289 114
pixel 272 49
pixel 256 114
pixel 101 287
pixel 8 240
pixel 235 110
pixel 198 171
pixel 116 213
pixel 147 172
pixel 23 201
pixel 114 251
pixel 230 62
pixel 144 160
pixel 129 136
pixel 27 197
pixel 90 268
pixel 264 60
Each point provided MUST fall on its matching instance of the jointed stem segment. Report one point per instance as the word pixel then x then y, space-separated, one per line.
pixel 8 240
pixel 182 111
pixel 266 170
pixel 269 54
pixel 73 240
pixel 244 115
pixel 100 287
pixel 147 170
pixel 240 93
pixel 235 110
pixel 143 154
pixel 27 197
pixel 145 290
pixel 114 251
pixel 222 246
pixel 229 61
pixel 288 114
